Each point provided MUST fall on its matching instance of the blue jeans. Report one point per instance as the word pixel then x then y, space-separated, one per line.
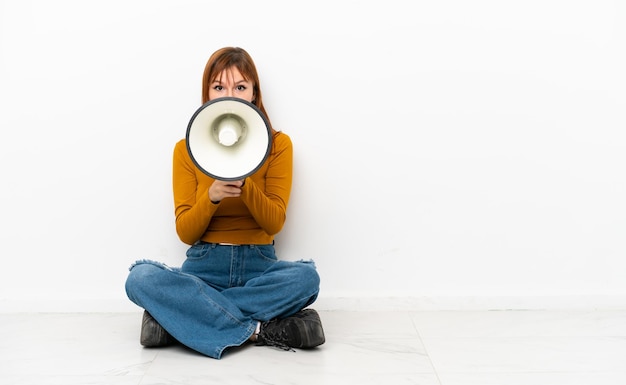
pixel 215 300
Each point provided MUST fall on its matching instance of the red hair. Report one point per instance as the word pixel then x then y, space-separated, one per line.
pixel 228 57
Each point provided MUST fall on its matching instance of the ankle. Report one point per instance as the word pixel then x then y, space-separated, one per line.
pixel 255 336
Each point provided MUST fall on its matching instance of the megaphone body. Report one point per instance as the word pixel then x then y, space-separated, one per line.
pixel 228 138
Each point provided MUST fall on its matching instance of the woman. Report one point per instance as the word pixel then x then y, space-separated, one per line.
pixel 231 288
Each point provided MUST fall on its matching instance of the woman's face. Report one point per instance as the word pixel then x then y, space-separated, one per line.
pixel 231 83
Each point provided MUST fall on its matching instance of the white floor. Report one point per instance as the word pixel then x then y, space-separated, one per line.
pixel 389 348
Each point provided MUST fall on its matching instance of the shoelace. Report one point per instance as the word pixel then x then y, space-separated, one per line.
pixel 274 339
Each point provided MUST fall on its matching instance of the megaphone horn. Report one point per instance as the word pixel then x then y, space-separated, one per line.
pixel 228 138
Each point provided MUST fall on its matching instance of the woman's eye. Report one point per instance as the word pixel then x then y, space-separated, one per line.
pixel 241 88
pixel 218 88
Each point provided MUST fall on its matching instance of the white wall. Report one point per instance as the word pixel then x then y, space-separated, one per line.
pixel 448 154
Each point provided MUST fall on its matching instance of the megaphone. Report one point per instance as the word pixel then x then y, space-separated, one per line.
pixel 228 138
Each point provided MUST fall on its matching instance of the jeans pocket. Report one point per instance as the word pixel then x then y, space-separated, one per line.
pixel 266 252
pixel 198 251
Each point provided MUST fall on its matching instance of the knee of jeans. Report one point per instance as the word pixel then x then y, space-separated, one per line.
pixel 140 275
pixel 143 262
pixel 308 275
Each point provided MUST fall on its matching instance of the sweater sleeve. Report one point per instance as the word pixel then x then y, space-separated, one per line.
pixel 269 207
pixel 193 211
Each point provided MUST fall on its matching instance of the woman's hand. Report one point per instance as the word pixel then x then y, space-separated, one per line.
pixel 225 189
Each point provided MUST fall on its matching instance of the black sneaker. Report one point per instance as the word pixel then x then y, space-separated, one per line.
pixel 152 334
pixel 302 330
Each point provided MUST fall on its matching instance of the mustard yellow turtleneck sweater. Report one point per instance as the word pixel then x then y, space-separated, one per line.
pixel 253 218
